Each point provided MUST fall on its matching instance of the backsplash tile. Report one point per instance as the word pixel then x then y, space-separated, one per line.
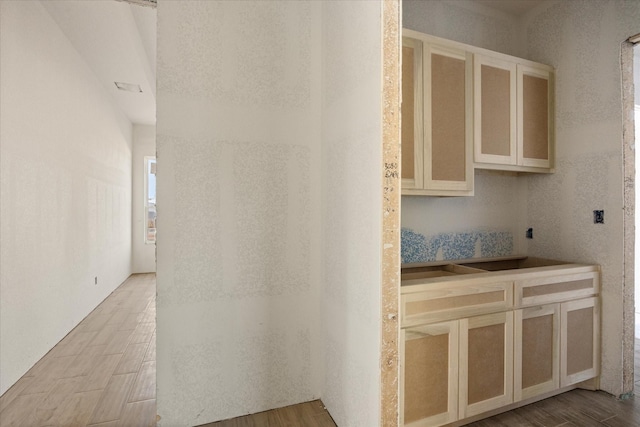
pixel 417 247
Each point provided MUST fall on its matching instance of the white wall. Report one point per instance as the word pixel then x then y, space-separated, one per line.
pixel 65 189
pixel 143 254
pixel 239 215
pixel 582 40
pixel 269 179
pixel 496 213
pixel 352 202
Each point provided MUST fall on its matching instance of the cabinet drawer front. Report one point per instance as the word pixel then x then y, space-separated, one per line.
pixel 451 301
pixel 556 288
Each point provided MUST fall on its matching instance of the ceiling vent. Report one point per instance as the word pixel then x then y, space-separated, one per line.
pixel 148 3
pixel 129 87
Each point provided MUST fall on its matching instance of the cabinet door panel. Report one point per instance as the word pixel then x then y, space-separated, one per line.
pixel 495 111
pixel 448 133
pixel 429 374
pixel 486 363
pixel 412 115
pixel 534 118
pixel 580 355
pixel 537 351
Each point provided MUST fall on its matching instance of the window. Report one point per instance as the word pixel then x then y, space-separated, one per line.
pixel 150 200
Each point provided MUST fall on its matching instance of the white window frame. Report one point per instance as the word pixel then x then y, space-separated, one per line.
pixel 148 160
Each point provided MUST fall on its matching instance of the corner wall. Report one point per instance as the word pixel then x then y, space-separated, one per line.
pixel 65 189
pixel 239 212
pixel 269 208
pixel 352 201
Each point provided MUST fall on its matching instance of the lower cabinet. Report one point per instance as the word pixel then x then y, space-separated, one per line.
pixel 580 341
pixel 461 368
pixel 486 363
pixel 453 370
pixel 536 351
pixel 429 377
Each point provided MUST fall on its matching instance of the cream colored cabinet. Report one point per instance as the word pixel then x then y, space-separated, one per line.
pixel 429 375
pixel 437 134
pixel 474 341
pixel 513 114
pixel 486 363
pixel 580 341
pixel 536 351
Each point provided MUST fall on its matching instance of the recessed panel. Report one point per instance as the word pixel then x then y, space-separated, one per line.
pixel 535 131
pixel 537 350
pixel 496 111
pixel 486 363
pixel 407 111
pixel 448 130
pixel 579 340
pixel 426 382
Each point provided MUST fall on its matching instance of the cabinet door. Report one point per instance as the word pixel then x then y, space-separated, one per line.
pixel 536 351
pixel 412 114
pixel 429 375
pixel 486 363
pixel 495 110
pixel 535 121
pixel 448 118
pixel 580 341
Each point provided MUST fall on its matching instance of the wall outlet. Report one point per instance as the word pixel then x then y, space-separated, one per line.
pixel 95 280
pixel 529 233
pixel 598 217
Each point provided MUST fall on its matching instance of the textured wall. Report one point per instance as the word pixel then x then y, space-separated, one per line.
pixel 582 39
pixel 143 255
pixel 65 188
pixel 495 215
pixel 239 216
pixel 352 180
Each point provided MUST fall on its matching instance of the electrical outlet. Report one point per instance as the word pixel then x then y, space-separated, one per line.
pixel 529 233
pixel 598 217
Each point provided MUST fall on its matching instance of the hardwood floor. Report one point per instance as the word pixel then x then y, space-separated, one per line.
pixel 309 414
pixel 103 374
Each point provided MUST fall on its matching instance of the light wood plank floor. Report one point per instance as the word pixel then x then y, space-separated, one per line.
pixel 103 373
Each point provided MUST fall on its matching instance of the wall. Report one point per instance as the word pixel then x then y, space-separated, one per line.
pixel 65 189
pixel 269 178
pixel 352 178
pixel 493 222
pixel 239 215
pixel 582 40
pixel 143 255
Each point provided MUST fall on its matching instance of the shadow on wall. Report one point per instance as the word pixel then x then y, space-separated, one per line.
pixel 416 247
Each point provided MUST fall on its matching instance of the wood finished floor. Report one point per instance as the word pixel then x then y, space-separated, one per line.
pixel 103 375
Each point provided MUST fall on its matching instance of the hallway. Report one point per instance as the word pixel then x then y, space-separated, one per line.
pixel 102 373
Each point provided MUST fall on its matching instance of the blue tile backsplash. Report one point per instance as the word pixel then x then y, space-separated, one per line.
pixel 451 246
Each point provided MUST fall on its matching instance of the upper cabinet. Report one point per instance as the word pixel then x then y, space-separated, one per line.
pixel 437 126
pixel 466 107
pixel 513 114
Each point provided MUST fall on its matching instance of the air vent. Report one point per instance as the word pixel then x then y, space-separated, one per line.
pixel 129 87
pixel 149 3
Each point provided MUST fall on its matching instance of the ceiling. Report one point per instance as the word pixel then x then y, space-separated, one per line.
pixel 118 42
